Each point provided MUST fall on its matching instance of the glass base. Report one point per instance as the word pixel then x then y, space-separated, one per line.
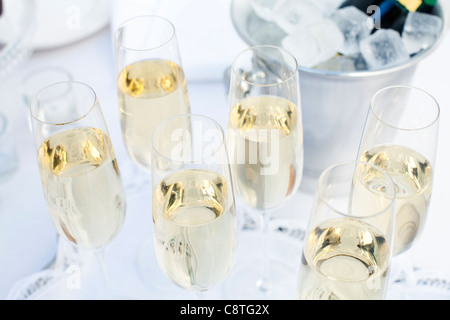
pixel 245 283
pixel 73 276
pixel 284 253
pixel 53 284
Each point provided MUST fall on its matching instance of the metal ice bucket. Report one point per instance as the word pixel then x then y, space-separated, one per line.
pixel 334 104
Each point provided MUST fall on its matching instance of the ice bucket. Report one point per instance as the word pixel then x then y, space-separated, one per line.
pixel 334 104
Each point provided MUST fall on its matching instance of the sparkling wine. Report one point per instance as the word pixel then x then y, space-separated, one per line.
pixel 344 259
pixel 82 186
pixel 412 174
pixel 195 228
pixel 266 150
pixel 149 92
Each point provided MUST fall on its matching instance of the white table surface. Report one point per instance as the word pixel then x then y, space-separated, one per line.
pixel 27 236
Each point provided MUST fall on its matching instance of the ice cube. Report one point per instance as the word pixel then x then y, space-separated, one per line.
pixel 353 24
pixel 384 49
pixel 343 63
pixel 314 43
pixel 264 32
pixel 421 30
pixel 295 13
pixel 360 63
pixel 265 8
pixel 338 63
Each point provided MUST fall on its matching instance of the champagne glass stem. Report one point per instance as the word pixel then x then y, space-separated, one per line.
pixel 263 282
pixel 200 294
pixel 110 290
pixel 100 257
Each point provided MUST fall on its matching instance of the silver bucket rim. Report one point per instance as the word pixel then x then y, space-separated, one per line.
pixel 357 74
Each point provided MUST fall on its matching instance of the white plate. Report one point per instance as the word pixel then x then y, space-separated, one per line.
pixel 63 22
pixel 54 23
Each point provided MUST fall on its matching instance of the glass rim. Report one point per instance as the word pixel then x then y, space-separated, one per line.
pixel 392 199
pixel 190 116
pixel 77 83
pixel 292 73
pixel 412 88
pixel 43 69
pixel 133 19
pixel 32 76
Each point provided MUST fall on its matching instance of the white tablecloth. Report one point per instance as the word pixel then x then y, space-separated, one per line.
pixel 27 237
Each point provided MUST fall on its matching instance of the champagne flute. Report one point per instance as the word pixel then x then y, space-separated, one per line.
pixel 150 81
pixel 194 218
pixel 265 138
pixel 151 87
pixel 348 243
pixel 400 136
pixel 78 168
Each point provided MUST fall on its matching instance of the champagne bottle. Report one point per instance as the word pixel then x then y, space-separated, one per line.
pixel 363 5
pixel 391 14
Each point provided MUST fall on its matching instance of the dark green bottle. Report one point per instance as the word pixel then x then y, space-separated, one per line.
pixel 391 14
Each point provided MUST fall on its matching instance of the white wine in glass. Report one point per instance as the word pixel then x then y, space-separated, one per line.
pixel 347 259
pixel 80 176
pixel 400 137
pixel 413 176
pixel 194 215
pixel 265 139
pixel 195 228
pixel 348 247
pixel 151 84
pixel 151 88
pixel 149 92
pixel 264 134
pixel 82 186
